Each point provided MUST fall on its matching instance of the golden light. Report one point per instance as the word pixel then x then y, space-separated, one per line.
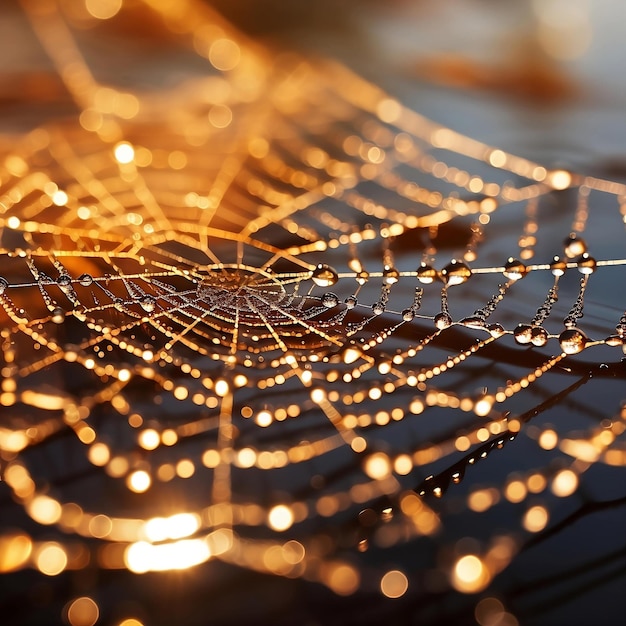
pixel 149 439
pixel 44 510
pixel 221 387
pixel 564 483
pixel 535 519
pixel 173 527
pixel 103 9
pixel 51 558
pixel 378 466
pixel 139 481
pixel 394 584
pixel 280 518
pixel 99 454
pixel 83 612
pixel 470 574
pixel 343 579
pixel 124 153
pixel 144 557
pixel 548 439
pixel 15 551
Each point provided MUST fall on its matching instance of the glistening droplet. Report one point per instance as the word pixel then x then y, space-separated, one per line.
pixel 514 269
pixel 378 308
pixel 148 304
pixel 408 315
pixel 64 281
pixel 4 283
pixel 558 266
pixel 330 300
pixel 58 315
pixel 523 334
pixel 350 302
pixel 85 280
pixel 426 274
pixel 473 321
pixel 442 320
pixel 324 276
pixel 539 336
pixel 390 275
pixel 572 341
pixel 456 273
pixel 496 330
pixel 586 264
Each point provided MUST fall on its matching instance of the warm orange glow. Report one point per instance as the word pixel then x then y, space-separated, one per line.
pixel 470 574
pixel 280 518
pixel 83 612
pixel 565 483
pixel 394 584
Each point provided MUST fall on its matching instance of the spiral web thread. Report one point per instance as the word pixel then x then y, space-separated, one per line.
pixel 277 265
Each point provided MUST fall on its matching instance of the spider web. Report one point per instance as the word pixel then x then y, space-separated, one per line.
pixel 293 313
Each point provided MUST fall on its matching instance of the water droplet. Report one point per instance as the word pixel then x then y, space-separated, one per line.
pixel 515 269
pixel 324 276
pixel 572 341
pixel 614 340
pixel 538 336
pixel 473 321
pixel 362 277
pixel 64 281
pixel 330 300
pixel 586 264
pixel 408 315
pixel 496 330
pixel 390 275
pixel 85 280
pixel 523 334
pixel 558 266
pixel 4 283
pixel 350 302
pixel 574 246
pixel 426 274
pixel 378 308
pixel 148 304
pixel 58 315
pixel 442 320
pixel 456 273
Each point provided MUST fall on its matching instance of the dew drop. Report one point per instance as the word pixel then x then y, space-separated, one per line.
pixel 574 246
pixel 408 315
pixel 330 300
pixel 4 283
pixel 378 308
pixel 523 334
pixel 558 266
pixel 58 315
pixel 324 276
pixel 456 273
pixel 426 274
pixel 390 275
pixel 539 336
pixel 572 341
pixel 473 321
pixel 586 264
pixel 350 302
pixel 496 330
pixel 614 340
pixel 362 277
pixel 148 304
pixel 442 320
pixel 64 281
pixel 515 269
pixel 85 280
